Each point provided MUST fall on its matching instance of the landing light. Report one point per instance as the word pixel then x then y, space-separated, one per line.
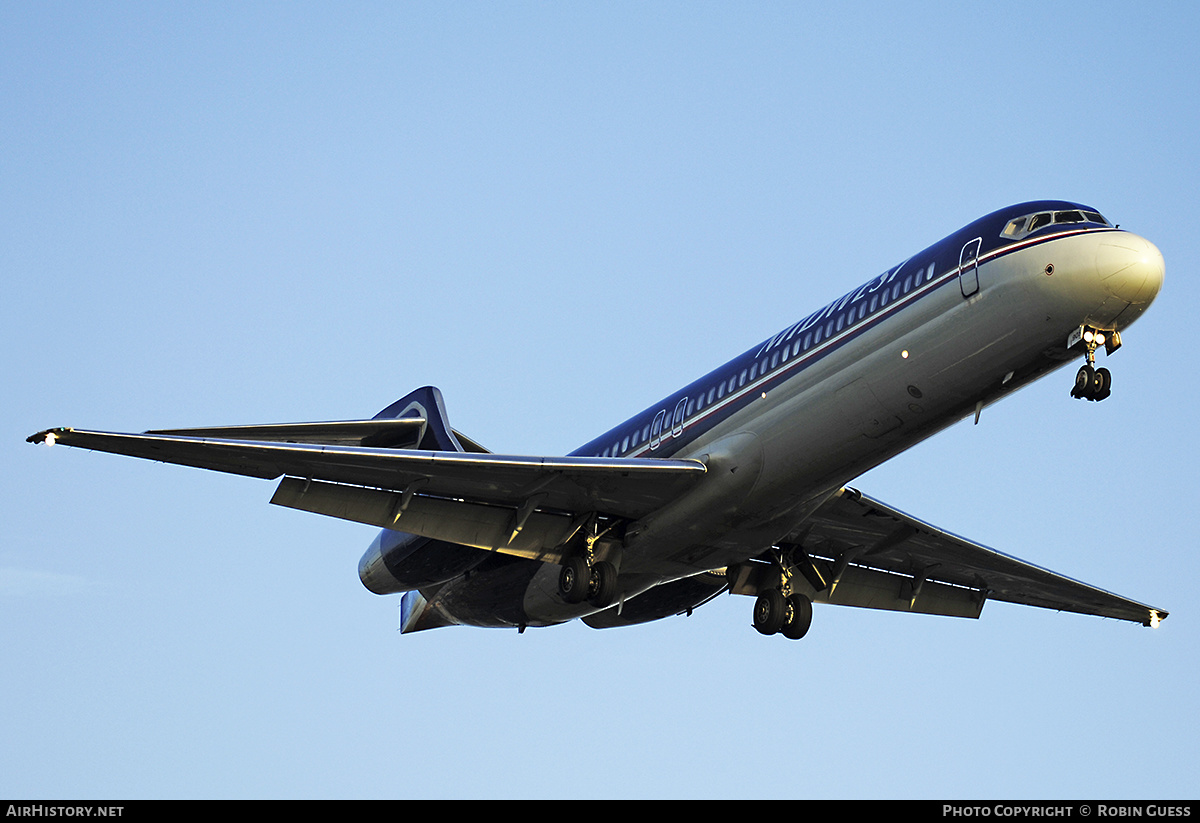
pixel 50 438
pixel 904 354
pixel 1154 619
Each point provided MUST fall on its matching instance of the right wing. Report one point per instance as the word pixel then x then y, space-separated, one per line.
pixel 525 506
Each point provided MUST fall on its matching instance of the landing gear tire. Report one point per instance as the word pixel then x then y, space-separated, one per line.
pixel 797 618
pixel 574 580
pixel 1092 384
pixel 769 612
pixel 602 584
pixel 1084 378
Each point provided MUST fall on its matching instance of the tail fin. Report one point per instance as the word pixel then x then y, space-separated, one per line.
pixel 435 435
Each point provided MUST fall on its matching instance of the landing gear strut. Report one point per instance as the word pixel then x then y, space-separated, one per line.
pixel 1092 383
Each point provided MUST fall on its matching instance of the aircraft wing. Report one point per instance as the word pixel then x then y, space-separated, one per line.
pixel 526 506
pixel 862 552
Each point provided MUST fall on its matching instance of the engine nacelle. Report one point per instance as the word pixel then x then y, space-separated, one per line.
pixel 399 562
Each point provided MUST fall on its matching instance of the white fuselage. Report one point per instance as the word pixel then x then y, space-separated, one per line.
pixel 871 391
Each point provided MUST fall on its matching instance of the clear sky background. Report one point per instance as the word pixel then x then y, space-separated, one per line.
pixel 222 213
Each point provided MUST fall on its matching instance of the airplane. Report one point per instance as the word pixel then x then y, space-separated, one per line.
pixel 737 482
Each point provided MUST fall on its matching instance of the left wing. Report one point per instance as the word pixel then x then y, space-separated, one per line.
pixel 857 551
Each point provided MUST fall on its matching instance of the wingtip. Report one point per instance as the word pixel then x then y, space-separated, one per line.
pixel 48 436
pixel 1156 617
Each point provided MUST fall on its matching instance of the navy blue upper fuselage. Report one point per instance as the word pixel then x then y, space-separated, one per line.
pixel 663 429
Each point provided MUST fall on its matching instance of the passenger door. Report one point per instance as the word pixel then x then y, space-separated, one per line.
pixel 968 267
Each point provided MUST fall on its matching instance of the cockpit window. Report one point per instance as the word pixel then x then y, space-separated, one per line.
pixel 1021 226
pixel 1015 227
pixel 1039 220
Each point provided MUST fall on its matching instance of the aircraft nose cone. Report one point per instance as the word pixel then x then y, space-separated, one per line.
pixel 1131 268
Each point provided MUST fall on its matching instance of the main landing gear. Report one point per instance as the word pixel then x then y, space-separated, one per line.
pixel 780 609
pixel 1092 383
pixel 585 578
pixel 775 613
pixel 596 583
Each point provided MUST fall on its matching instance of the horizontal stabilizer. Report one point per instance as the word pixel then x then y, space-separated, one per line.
pixel 397 433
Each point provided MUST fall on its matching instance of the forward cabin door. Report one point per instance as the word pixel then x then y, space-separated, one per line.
pixel 968 267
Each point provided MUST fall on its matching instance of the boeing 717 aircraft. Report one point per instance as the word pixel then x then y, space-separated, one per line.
pixel 738 481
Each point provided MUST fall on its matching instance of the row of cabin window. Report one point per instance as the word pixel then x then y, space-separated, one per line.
pixel 782 355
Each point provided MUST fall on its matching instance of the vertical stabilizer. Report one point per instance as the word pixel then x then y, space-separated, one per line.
pixel 426 403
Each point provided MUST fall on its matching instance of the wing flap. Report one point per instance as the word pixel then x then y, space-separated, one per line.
pixel 537 536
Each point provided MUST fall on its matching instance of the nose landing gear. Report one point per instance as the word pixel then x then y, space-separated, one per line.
pixel 1092 383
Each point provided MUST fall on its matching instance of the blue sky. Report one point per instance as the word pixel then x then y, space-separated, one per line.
pixel 558 213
